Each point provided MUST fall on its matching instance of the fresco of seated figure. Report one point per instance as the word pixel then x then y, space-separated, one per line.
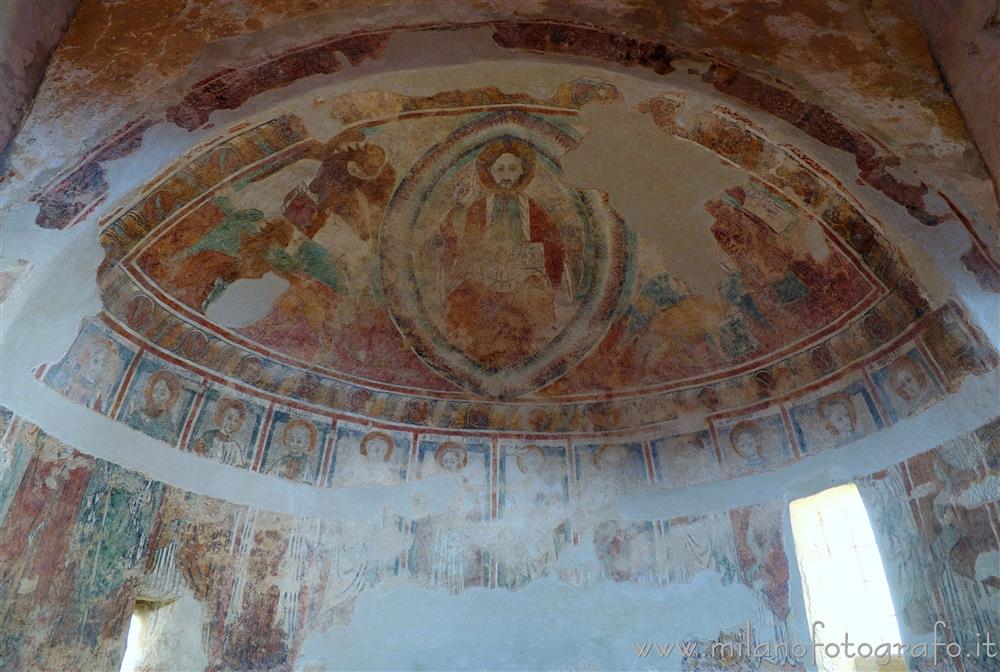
pixel 366 456
pixel 508 258
pixel 537 483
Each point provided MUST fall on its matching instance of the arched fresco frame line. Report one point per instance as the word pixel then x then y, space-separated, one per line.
pixel 257 389
pixel 406 303
pixel 914 337
pixel 576 39
pixel 230 380
pixel 207 325
pixel 769 360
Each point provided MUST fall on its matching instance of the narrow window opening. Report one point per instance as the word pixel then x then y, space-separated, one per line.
pixel 847 595
pixel 135 640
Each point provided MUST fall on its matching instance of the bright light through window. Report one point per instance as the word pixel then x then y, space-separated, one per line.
pixel 133 644
pixel 843 580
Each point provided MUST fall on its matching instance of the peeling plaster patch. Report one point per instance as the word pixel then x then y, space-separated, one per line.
pixel 73 195
pixel 983 268
pixel 823 125
pixel 12 273
pixel 977 259
pixel 29 32
pixel 229 89
pixel 246 301
pixel 667 213
pixel 586 41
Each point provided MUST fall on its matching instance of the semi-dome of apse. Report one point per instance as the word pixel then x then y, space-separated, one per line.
pixel 655 270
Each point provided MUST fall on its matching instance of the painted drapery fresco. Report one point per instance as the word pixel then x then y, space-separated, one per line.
pixel 73 544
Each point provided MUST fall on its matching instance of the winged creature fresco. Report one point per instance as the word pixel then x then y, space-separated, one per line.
pixel 317 238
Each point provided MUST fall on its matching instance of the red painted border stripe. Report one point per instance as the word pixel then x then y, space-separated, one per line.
pixel 199 402
pixel 126 382
pixel 265 433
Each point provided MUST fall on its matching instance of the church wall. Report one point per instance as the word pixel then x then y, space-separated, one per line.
pixel 73 546
pixel 83 539
pixel 225 401
pixel 936 521
pixel 964 38
pixel 29 32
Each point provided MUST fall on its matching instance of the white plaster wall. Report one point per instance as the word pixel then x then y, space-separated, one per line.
pixel 549 625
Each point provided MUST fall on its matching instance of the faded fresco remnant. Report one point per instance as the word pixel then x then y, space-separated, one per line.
pixel 936 521
pixel 274 579
pixel 430 260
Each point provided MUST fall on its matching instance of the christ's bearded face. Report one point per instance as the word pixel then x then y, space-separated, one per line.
pixel 507 171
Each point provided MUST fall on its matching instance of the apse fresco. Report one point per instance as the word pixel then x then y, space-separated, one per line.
pixel 278 579
pixel 936 518
pixel 430 267
pixel 245 574
pixel 834 417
